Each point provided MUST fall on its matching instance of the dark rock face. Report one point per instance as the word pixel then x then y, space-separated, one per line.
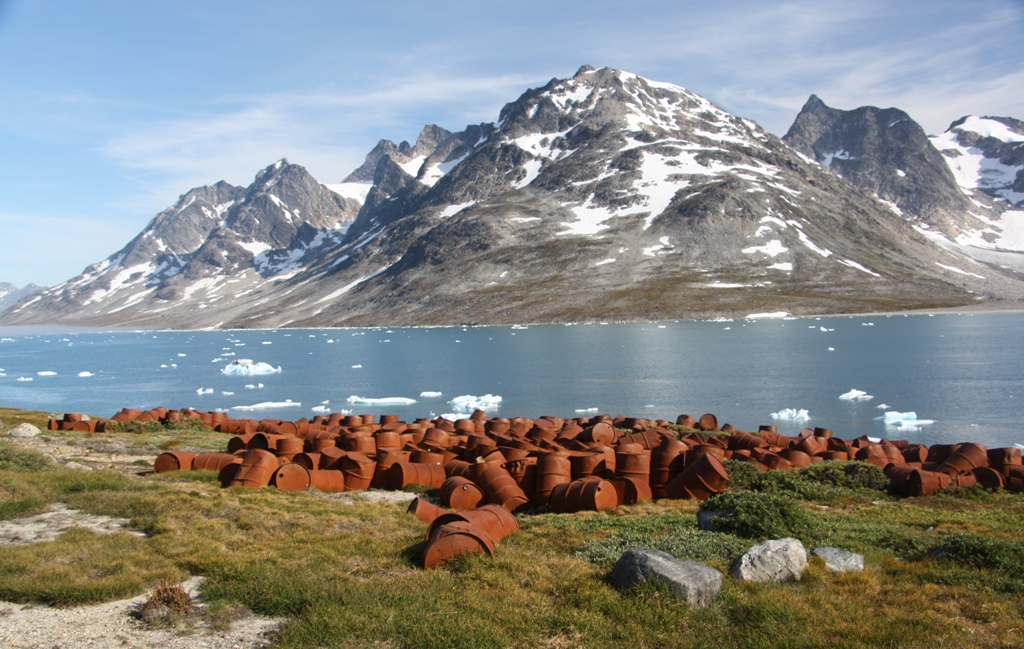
pixel 885 153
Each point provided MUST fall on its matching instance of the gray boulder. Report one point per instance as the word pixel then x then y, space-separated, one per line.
pixel 23 430
pixel 838 560
pixel 698 584
pixel 775 560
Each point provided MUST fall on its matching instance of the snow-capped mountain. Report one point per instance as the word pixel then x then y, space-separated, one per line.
pixel 960 188
pixel 9 293
pixel 604 196
pixel 216 243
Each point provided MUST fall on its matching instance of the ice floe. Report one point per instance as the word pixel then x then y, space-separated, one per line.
pixel 767 316
pixel 248 367
pixel 321 409
pixel 903 419
pixel 85 374
pixel 383 401
pixel 791 414
pixel 583 411
pixel 883 406
pixel 24 378
pixel 269 405
pixel 357 366
pixel 855 395
pixel 429 395
pixel 467 403
pixel 46 373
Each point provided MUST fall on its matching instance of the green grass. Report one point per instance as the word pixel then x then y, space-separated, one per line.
pixel 942 570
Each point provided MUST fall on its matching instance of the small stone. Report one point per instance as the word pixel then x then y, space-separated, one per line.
pixel 776 560
pixel 75 466
pixel 694 582
pixel 23 430
pixel 838 560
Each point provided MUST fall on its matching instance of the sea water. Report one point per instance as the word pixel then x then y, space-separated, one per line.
pixel 962 373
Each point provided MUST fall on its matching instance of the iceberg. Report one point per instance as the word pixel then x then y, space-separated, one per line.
pixel 204 391
pixel 248 367
pixel 790 414
pixel 24 378
pixel 467 403
pixel 430 395
pixel 855 395
pixel 322 409
pixel 267 405
pixel 85 374
pixel 46 373
pixel 583 411
pixel 903 419
pixel 384 401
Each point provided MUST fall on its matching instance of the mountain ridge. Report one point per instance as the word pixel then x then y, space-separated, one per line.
pixel 604 196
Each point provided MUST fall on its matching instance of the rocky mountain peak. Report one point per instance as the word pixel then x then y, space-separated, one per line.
pixel 885 153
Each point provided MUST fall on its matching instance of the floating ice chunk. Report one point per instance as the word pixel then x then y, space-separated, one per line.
pixel 163 366
pixel 430 395
pixel 24 378
pixel 831 349
pixel 85 374
pixel 874 440
pixel 1020 446
pixel 867 324
pixel 855 395
pixel 250 387
pixel 267 342
pixel 325 402
pixel 268 405
pixel 181 355
pixel 883 406
pixel 791 414
pixel 227 393
pixel 2 374
pixel 357 366
pixel 259 385
pixel 248 367
pixel 768 316
pixel 321 409
pixel 204 391
pixel 903 419
pixel 46 373
pixel 582 411
pixel 383 401
pixel 467 403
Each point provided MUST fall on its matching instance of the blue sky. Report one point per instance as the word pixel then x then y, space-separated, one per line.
pixel 109 110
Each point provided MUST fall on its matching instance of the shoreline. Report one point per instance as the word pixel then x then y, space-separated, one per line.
pixel 974 309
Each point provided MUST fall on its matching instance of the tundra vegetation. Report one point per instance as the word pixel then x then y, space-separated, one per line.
pixel 942 570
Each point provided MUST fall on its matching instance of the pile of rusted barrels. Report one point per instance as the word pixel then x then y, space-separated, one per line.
pixel 210 420
pixel 567 465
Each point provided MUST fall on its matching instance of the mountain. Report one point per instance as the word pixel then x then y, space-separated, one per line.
pixel 960 188
pixel 10 294
pixel 605 196
pixel 217 242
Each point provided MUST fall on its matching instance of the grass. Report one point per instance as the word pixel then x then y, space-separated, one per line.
pixel 943 571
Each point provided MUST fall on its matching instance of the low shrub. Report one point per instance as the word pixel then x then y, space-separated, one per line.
pixel 692 545
pixel 825 482
pixel 13 458
pixel 760 515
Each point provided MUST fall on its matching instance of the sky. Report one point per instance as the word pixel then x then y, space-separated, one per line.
pixel 111 109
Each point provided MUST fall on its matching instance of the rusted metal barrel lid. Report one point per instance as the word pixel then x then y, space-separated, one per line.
pixel 292 477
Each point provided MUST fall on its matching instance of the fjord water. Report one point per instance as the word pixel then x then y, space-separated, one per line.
pixel 965 372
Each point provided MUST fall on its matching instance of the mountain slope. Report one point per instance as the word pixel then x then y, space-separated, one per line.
pixel 602 196
pixel 11 294
pixel 214 243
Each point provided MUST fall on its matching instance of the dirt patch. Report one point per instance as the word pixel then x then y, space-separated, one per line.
pixel 112 625
pixel 56 521
pixel 85 454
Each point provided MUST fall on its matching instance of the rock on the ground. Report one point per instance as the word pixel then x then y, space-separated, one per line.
pixel 706 519
pixel 698 584
pixel 775 560
pixel 77 466
pixel 23 430
pixel 838 560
